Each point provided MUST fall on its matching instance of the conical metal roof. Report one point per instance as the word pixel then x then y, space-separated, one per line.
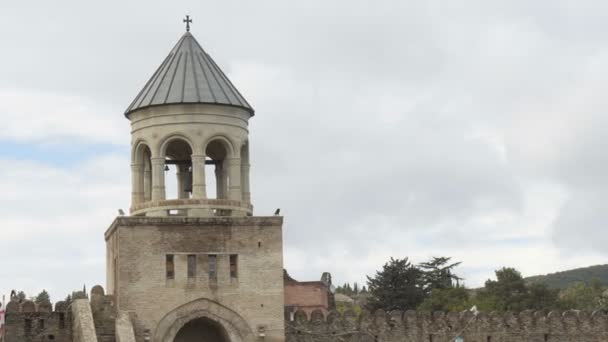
pixel 188 75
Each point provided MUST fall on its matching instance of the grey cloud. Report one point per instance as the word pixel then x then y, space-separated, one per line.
pixel 368 117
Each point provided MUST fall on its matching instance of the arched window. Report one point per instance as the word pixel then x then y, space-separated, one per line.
pixel 142 175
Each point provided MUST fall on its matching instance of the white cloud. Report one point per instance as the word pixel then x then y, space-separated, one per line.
pixel 53 222
pixel 474 130
pixel 36 116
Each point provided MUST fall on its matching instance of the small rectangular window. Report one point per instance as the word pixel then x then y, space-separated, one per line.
pixel 212 267
pixel 191 266
pixel 41 324
pixel 61 320
pixel 27 326
pixel 170 267
pixel 234 266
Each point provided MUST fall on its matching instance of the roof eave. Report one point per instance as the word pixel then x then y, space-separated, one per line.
pixel 250 110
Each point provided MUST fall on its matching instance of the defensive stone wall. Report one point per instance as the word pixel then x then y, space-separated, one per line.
pixel 83 326
pixel 124 328
pixel 29 322
pixel 104 314
pixel 411 326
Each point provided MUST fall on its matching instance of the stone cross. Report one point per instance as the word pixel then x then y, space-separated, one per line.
pixel 187 21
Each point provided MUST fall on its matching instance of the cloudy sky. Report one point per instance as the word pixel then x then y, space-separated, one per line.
pixel 471 129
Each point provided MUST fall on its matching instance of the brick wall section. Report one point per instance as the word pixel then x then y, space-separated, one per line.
pixel 307 296
pixel 527 326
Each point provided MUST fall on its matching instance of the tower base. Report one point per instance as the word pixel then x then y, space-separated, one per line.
pixel 178 276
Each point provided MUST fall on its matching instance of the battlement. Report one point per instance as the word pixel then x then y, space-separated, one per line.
pixel 439 326
pixel 28 321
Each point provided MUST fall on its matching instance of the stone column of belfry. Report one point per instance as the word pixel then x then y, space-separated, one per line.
pixel 181 174
pixel 245 181
pixel 234 175
pixel 137 194
pixel 220 179
pixel 199 188
pixel 158 178
pixel 147 182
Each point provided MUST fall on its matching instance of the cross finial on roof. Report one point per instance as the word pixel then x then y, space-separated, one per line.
pixel 187 21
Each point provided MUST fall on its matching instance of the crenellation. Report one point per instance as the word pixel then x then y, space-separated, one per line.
pixel 28 306
pixel 528 326
pixel 29 322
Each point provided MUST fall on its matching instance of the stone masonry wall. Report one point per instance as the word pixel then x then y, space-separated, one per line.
pixel 104 314
pixel 83 326
pixel 138 250
pixel 28 322
pixel 527 326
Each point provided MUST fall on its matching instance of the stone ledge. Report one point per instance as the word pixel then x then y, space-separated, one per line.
pixel 191 201
pixel 132 221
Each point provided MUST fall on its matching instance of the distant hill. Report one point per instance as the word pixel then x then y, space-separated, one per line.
pixel 562 280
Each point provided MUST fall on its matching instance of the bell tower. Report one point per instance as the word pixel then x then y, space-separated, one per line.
pixel 191 259
pixel 191 123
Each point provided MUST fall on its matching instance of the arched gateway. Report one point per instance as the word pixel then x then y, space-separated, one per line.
pixel 203 320
pixel 202 330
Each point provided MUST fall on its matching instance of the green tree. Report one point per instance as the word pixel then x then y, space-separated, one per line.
pixel 68 300
pixel 43 297
pixel 510 292
pixel 541 297
pixel 507 292
pixel 448 299
pixel 346 289
pixel 21 296
pixel 399 286
pixel 439 274
pixel 581 296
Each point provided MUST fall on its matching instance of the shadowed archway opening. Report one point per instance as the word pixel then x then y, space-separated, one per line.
pixel 217 173
pixel 202 330
pixel 178 161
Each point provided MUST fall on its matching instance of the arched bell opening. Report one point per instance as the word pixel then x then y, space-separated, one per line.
pixel 202 330
pixel 141 170
pixel 178 162
pixel 216 169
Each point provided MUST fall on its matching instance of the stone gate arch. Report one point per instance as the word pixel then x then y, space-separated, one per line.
pixel 235 327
